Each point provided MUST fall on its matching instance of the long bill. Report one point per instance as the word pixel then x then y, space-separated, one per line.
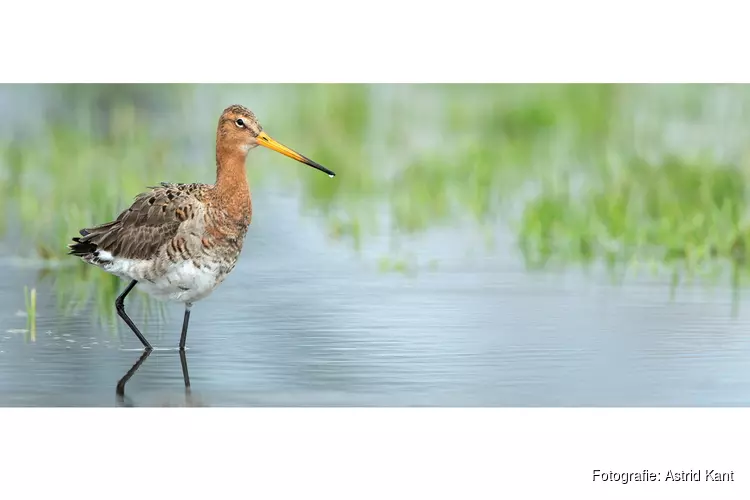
pixel 266 141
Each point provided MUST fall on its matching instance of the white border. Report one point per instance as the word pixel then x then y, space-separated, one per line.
pixel 368 453
pixel 385 41
pixel 307 453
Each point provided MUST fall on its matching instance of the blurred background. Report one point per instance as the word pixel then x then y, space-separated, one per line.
pixel 483 245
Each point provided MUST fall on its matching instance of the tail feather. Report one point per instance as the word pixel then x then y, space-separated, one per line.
pixel 85 246
pixel 81 248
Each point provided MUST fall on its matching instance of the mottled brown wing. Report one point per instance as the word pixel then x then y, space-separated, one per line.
pixel 152 220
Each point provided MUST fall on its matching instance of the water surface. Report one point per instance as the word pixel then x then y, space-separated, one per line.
pixel 301 322
pixel 309 319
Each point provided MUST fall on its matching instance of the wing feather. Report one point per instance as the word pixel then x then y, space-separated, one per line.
pixel 140 231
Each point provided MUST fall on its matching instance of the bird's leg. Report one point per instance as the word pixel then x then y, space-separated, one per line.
pixel 185 322
pixel 185 374
pixel 120 306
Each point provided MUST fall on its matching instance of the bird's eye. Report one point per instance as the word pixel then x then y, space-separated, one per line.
pixel 240 123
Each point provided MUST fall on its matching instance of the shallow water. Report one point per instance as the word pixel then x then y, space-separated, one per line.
pixel 302 322
pixel 306 320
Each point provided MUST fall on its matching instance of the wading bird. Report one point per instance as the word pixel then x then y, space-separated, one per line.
pixel 178 242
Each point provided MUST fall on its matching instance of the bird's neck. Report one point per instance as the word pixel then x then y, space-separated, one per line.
pixel 232 187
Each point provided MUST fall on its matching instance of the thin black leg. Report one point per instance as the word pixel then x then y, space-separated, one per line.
pixel 185 374
pixel 120 306
pixel 124 380
pixel 185 322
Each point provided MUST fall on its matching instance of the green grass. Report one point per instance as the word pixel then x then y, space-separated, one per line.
pixel 625 175
pixel 71 177
pixel 612 186
pixel 671 212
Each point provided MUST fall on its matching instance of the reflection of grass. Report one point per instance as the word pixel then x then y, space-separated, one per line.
pixel 80 285
pixel 30 301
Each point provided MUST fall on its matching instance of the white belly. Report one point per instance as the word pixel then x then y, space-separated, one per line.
pixel 180 282
pixel 183 282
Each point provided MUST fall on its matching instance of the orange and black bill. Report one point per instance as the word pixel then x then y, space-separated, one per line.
pixel 265 140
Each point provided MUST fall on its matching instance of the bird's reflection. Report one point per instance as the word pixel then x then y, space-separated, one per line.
pixel 124 380
pixel 123 400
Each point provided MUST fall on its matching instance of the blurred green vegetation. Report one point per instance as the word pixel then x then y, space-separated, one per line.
pixel 94 154
pixel 584 174
pixel 693 214
pixel 644 175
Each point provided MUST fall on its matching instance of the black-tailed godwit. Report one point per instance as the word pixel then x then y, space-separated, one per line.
pixel 178 242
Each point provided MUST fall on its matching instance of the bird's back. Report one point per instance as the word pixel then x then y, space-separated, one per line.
pixel 147 226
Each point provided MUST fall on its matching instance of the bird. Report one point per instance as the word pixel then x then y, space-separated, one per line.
pixel 177 242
